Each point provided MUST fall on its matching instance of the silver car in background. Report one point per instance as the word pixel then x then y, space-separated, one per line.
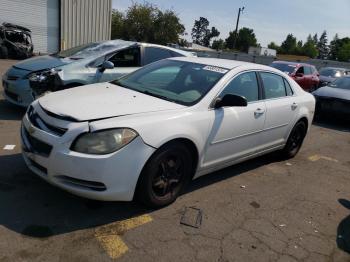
pixel 87 64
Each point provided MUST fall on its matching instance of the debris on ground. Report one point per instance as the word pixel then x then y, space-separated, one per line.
pixel 192 217
pixel 9 147
pixel 255 204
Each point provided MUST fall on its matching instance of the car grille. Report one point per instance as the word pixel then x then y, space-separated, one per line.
pixel 12 78
pixel 37 146
pixel 37 166
pixel 11 95
pixel 38 122
pixel 92 185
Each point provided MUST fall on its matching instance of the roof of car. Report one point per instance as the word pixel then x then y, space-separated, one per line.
pixel 335 68
pixel 292 63
pixel 224 63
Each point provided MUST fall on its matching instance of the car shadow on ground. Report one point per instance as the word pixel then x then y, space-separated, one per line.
pixel 10 112
pixel 32 207
pixel 343 232
pixel 333 122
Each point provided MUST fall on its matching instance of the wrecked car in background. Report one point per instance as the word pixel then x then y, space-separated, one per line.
pixel 15 41
pixel 86 64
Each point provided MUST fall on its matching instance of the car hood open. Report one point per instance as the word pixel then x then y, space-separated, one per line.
pixel 42 62
pixel 101 101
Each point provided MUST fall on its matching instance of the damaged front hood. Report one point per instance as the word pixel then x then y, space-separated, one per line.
pixel 101 101
pixel 42 62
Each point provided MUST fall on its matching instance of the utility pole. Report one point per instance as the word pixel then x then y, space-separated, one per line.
pixel 240 10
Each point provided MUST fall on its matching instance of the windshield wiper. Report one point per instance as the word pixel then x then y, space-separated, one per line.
pixel 158 96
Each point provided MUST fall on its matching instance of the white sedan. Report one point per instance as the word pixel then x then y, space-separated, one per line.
pixel 149 133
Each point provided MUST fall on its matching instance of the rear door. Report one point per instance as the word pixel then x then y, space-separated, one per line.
pixel 281 107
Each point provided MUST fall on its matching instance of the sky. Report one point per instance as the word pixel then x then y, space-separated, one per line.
pixel 271 20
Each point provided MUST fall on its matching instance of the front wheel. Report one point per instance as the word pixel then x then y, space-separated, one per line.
pixel 165 175
pixel 295 140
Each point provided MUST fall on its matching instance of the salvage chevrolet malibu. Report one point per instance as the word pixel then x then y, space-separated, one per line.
pixel 149 133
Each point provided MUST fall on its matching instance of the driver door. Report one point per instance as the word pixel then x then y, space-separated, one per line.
pixel 236 131
pixel 125 61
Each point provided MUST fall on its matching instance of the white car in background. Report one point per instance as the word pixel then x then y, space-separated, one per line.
pixel 149 133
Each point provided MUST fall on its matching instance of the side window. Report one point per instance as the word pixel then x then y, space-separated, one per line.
pixel 153 54
pixel 289 89
pixel 300 70
pixel 245 85
pixel 127 58
pixel 307 70
pixel 273 85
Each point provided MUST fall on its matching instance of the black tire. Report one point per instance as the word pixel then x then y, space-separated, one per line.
pixel 165 175
pixel 4 52
pixel 295 140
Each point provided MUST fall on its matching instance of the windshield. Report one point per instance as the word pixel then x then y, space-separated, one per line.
pixel 342 83
pixel 286 68
pixel 177 81
pixel 83 51
pixel 331 72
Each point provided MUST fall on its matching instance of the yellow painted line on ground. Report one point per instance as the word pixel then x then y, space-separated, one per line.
pixel 315 158
pixel 109 235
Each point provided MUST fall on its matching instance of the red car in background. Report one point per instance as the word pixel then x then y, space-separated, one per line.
pixel 305 75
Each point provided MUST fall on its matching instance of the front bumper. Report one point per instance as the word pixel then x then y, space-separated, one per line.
pixel 110 177
pixel 18 92
pixel 332 105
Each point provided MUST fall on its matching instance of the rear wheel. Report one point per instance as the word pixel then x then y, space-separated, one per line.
pixel 295 140
pixel 165 175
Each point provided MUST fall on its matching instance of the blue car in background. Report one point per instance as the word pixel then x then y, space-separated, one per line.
pixel 86 64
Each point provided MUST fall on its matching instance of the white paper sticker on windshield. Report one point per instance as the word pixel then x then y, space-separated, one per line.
pixel 215 69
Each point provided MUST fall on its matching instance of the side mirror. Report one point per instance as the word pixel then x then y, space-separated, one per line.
pixel 299 74
pixel 231 100
pixel 106 65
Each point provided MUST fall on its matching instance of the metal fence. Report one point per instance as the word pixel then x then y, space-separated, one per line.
pixel 267 60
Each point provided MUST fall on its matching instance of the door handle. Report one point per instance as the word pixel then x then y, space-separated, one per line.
pixel 294 106
pixel 259 112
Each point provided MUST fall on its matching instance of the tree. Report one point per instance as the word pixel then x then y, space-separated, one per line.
pixel 167 27
pixel 218 44
pixel 139 22
pixel 289 46
pixel 183 42
pixel 309 48
pixel 201 34
pixel 274 46
pixel 147 23
pixel 245 39
pixel 344 52
pixel 334 47
pixel 315 38
pixel 117 25
pixel 323 50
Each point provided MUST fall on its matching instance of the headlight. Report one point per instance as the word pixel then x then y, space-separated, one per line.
pixel 103 142
pixel 37 77
pixel 42 75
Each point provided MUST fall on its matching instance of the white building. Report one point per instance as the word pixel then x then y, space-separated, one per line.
pixel 60 24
